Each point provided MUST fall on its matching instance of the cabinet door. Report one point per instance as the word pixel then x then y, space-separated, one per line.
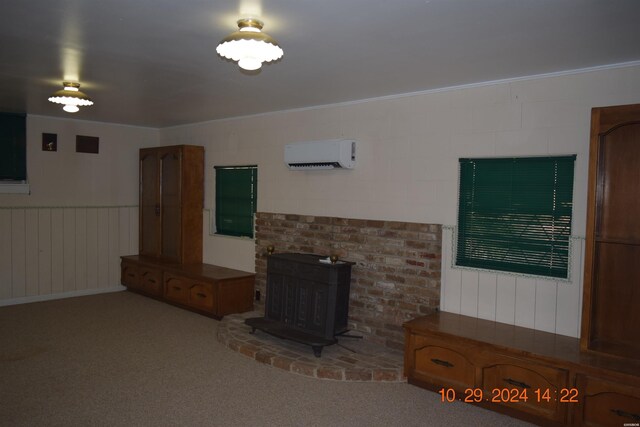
pixel 190 292
pixel 611 313
pixel 170 202
pixel 129 275
pixel 201 296
pixel 440 363
pixel 149 242
pixel 176 288
pixel 151 281
pixel 605 403
pixel 524 386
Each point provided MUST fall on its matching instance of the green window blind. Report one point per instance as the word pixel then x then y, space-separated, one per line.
pixel 236 196
pixel 13 147
pixel 515 214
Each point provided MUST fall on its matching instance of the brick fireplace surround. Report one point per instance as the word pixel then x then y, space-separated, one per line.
pixel 396 277
pixel 397 272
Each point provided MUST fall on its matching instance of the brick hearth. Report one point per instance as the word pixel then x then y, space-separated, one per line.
pixel 351 359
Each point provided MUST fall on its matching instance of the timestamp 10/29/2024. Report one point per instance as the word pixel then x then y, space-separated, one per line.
pixel 511 395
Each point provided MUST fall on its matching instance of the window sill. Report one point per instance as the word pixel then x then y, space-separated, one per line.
pixel 14 188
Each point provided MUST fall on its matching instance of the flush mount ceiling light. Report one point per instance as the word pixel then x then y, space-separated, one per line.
pixel 249 45
pixel 71 97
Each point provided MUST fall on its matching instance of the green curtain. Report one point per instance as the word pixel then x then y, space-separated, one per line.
pixel 236 199
pixel 515 214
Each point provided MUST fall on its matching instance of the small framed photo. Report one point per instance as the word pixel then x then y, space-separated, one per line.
pixel 49 142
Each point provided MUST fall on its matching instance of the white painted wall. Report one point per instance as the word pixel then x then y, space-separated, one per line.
pixel 65 238
pixel 67 178
pixel 408 150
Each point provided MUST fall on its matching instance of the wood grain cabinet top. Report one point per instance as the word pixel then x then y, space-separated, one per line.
pixel 204 288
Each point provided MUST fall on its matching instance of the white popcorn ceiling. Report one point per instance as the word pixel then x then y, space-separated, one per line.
pixel 153 62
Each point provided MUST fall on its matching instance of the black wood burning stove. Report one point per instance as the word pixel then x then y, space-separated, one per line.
pixel 307 299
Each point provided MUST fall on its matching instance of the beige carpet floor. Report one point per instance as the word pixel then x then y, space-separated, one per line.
pixel 121 359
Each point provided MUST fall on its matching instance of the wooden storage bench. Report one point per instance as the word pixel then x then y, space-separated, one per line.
pixel 207 289
pixel 536 376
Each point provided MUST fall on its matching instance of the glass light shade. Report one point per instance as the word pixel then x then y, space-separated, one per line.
pixel 71 108
pixel 249 64
pixel 249 46
pixel 71 97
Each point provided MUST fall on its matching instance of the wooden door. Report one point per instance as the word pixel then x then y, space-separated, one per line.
pixel 170 203
pixel 611 310
pixel 149 239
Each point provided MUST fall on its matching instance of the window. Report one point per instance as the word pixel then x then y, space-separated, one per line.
pixel 13 148
pixel 236 196
pixel 515 214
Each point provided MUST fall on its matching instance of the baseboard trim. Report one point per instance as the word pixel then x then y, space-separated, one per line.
pixel 49 297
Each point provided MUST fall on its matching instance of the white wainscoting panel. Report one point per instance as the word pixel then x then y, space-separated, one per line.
pixel 18 254
pixel 5 254
pixel 45 264
pixel 541 304
pixel 65 251
pixel 487 295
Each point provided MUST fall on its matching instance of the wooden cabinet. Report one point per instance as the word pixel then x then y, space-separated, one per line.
pixel 170 266
pixel 129 275
pixel 507 373
pixel 141 278
pixel 536 376
pixel 193 293
pixel 607 402
pixel 176 289
pixel 436 361
pixel 611 309
pixel 307 300
pixel 203 288
pixel 171 203
pixel 150 280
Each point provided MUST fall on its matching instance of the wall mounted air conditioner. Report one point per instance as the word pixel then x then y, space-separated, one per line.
pixel 314 155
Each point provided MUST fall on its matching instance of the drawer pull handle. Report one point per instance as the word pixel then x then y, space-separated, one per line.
pixel 442 363
pixel 625 414
pixel 516 383
pixel 152 281
pixel 131 275
pixel 201 295
pixel 177 288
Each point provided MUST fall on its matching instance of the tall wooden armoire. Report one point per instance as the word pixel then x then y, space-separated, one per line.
pixel 171 202
pixel 169 264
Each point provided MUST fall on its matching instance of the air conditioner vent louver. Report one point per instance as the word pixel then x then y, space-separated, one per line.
pixel 323 165
pixel 319 155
